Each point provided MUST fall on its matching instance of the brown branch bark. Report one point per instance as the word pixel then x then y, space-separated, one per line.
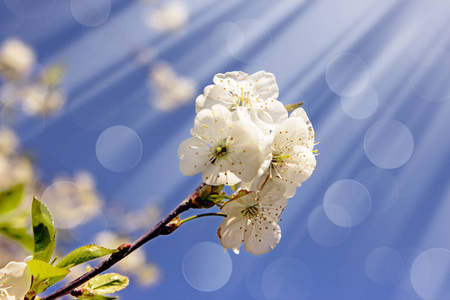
pixel 185 205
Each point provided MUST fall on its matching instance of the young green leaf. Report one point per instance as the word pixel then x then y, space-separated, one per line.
pixel 20 235
pixel 42 270
pixel 108 283
pixel 43 230
pixel 84 254
pixel 10 198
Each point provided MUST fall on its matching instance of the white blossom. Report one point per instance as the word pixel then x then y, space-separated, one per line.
pixel 291 158
pixel 38 100
pixel 172 90
pixel 170 17
pixel 15 281
pixel 252 97
pixel 226 152
pixel 16 59
pixel 252 219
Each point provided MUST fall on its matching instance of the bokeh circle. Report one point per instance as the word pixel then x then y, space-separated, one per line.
pixel 206 267
pixel 119 148
pixel 389 144
pixel 430 273
pixel 347 75
pixel 347 198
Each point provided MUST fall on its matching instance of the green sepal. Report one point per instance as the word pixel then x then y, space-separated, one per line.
pixel 11 198
pixel 234 187
pixel 44 231
pixel 291 107
pixel 84 254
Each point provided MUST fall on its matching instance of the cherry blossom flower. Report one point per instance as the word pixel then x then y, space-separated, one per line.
pixel 170 17
pixel 226 152
pixel 16 59
pixel 15 280
pixel 38 100
pixel 172 90
pixel 252 219
pixel 252 97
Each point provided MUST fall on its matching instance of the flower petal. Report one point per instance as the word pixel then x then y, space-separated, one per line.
pixel 231 232
pixel 261 237
pixel 194 156
pixel 245 153
pixel 265 85
pixel 16 279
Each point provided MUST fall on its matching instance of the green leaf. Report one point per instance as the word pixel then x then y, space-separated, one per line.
pixel 108 283
pixel 84 254
pixel 42 270
pixel 43 230
pixel 10 198
pixel 20 235
pixel 291 107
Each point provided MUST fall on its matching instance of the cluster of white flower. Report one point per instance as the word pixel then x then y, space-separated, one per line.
pixel 37 97
pixel 243 134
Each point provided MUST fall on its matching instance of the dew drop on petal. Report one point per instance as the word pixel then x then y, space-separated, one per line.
pixel 119 148
pixel 206 267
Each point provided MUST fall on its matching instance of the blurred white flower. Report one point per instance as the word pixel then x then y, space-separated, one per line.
pixel 252 219
pixel 15 281
pixel 136 264
pixel 226 152
pixel 15 168
pixel 16 60
pixel 251 97
pixel 171 16
pixel 8 141
pixel 39 100
pixel 76 200
pixel 172 90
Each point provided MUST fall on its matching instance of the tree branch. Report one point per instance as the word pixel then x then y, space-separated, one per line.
pixel 185 205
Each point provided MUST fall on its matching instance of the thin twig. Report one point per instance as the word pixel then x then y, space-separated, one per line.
pixel 185 205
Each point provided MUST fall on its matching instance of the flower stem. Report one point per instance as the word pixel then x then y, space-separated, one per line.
pixel 185 205
pixel 203 215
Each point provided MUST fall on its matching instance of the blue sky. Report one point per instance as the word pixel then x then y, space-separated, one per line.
pixel 371 223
